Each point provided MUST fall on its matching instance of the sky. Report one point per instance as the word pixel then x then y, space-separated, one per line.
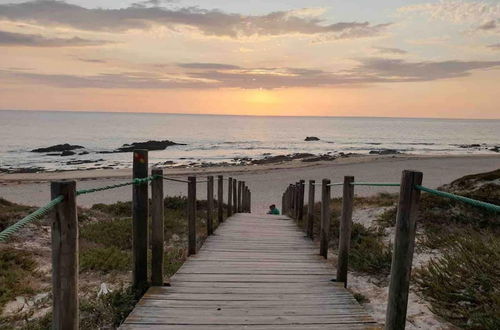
pixel 391 58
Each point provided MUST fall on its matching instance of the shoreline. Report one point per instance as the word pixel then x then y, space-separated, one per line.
pixel 95 174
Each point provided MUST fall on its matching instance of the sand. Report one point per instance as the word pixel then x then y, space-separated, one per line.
pixel 267 182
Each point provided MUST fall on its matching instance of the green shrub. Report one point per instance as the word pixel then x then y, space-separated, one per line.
pixel 119 209
pixel 10 213
pixel 387 218
pixel 463 285
pixel 110 233
pixel 16 269
pixel 109 310
pixel 368 253
pixel 105 259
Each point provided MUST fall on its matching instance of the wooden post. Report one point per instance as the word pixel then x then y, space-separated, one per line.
pixel 140 212
pixel 240 195
pixel 157 220
pixel 191 215
pixel 301 199
pixel 220 198
pixel 291 200
pixel 229 197
pixel 402 257
pixel 210 205
pixel 325 218
pixel 235 196
pixel 249 201
pixel 65 257
pixel 310 209
pixel 345 230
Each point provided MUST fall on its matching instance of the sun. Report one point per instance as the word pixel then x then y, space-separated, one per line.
pixel 261 96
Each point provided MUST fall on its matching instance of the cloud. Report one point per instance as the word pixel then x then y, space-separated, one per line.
pixel 215 66
pixel 209 22
pixel 368 71
pixel 92 60
pixel 402 71
pixel 388 50
pixel 456 11
pixel 482 16
pixel 35 40
pixel 491 25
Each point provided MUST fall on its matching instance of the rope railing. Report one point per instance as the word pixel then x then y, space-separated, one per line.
pixel 7 232
pixel 64 233
pixel 174 180
pixel 470 201
pixel 405 228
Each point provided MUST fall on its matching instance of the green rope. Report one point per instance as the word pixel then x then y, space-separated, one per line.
pixel 336 184
pixel 29 218
pixel 44 209
pixel 134 181
pixel 470 201
pixel 376 184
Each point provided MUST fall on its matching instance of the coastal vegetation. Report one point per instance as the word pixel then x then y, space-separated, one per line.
pixel 461 281
pixel 105 259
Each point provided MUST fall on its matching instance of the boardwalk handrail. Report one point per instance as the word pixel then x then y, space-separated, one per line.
pixel 409 196
pixel 65 230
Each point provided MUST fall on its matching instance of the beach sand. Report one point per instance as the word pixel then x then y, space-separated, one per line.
pixel 267 182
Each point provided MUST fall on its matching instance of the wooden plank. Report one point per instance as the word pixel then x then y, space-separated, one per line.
pixel 255 272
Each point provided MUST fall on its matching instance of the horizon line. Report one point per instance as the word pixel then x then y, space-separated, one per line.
pixel 240 115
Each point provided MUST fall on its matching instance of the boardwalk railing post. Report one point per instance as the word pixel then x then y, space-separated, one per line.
pixel 249 201
pixel 402 256
pixel 310 209
pixel 229 197
pixel 65 257
pixel 210 205
pixel 345 230
pixel 157 220
pixel 295 200
pixel 240 195
pixel 191 215
pixel 301 200
pixel 220 198
pixel 325 218
pixel 235 196
pixel 140 215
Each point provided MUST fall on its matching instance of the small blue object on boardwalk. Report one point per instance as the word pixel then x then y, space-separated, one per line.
pixel 255 272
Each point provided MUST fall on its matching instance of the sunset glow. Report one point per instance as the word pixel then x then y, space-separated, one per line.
pixel 319 58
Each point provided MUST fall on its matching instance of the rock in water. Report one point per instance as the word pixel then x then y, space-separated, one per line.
pixel 311 138
pixel 384 152
pixel 58 147
pixel 148 145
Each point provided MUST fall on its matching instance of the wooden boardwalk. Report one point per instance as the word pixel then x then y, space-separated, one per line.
pixel 255 272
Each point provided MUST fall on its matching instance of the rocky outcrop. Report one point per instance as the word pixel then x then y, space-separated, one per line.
pixel 148 145
pixel 384 152
pixel 311 138
pixel 58 148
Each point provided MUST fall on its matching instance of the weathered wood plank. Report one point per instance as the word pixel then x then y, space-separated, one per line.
pixel 255 272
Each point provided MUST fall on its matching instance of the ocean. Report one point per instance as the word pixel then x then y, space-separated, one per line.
pixel 220 139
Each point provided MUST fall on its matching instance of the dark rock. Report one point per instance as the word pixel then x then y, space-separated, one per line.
pixel 474 145
pixel 68 153
pixel 58 147
pixel 300 155
pixel 83 153
pixel 27 170
pixel 384 152
pixel 86 161
pixel 54 154
pixel 495 149
pixel 318 158
pixel 311 138
pixel 148 145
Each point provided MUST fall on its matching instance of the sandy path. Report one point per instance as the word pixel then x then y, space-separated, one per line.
pixel 266 182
